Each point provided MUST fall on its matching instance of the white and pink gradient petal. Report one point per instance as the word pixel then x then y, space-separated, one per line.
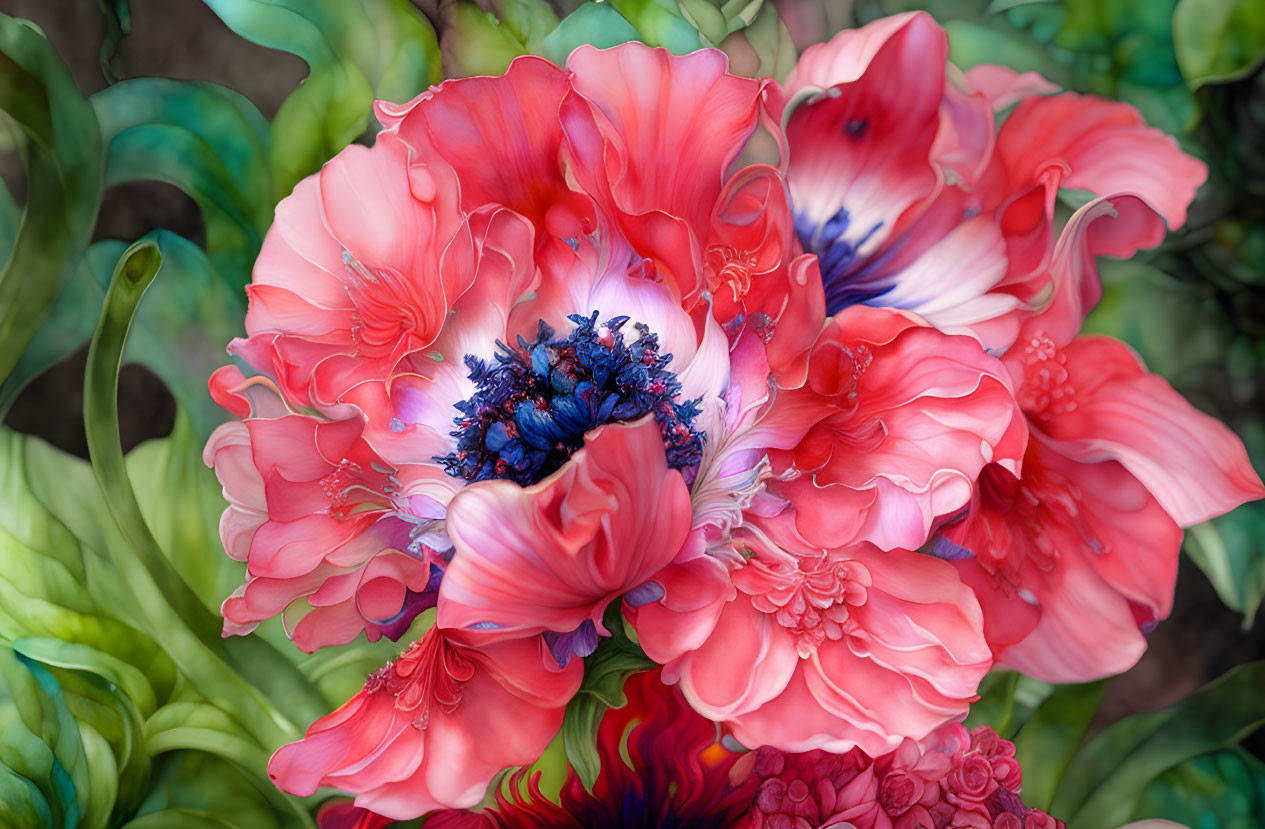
pixel 861 141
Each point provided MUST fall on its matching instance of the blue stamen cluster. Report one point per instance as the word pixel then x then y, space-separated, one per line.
pixel 846 281
pixel 535 402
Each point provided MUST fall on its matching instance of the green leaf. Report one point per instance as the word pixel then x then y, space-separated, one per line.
pixel 63 159
pixel 132 276
pixel 356 52
pixel 991 40
pixel 118 23
pixel 996 706
pixel 38 736
pixel 1007 700
pixel 1222 790
pixel 53 582
pixel 764 49
pixel 194 726
pixel 213 789
pixel 530 21
pixel 205 139
pixel 605 672
pixel 1218 40
pixel 109 724
pixel 180 817
pixel 1231 552
pixel 182 326
pixel 73 656
pixel 598 24
pixel 172 613
pixel 1050 737
pixel 475 43
pixel 482 39
pixel 1106 779
pixel 707 18
pixel 660 23
pixel 22 805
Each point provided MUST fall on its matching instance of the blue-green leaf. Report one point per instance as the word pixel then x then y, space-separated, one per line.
pixel 356 51
pixel 598 24
pixel 1222 790
pixel 63 158
pixel 1050 737
pixel 205 139
pixel 1105 781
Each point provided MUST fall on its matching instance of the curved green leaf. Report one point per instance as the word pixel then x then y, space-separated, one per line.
pixel 22 805
pixel 205 139
pixel 180 817
pixel 477 43
pixel 38 738
pixel 63 160
pixel 1050 737
pixel 605 672
pixel 356 52
pixel 103 779
pixel 182 325
pixel 213 788
pixel 1230 550
pixel 74 656
pixel 660 23
pixel 53 582
pixel 1218 40
pixel 596 23
pixel 198 727
pixel 1107 777
pixel 1223 790
pixel 173 613
pixel 108 727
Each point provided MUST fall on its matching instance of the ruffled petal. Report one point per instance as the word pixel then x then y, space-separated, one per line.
pixel 415 739
pixel 655 153
pixel 553 555
pixel 892 428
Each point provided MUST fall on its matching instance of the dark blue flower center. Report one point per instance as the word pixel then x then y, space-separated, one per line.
pixel 535 402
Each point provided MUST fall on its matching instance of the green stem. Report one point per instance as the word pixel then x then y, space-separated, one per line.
pixel 176 617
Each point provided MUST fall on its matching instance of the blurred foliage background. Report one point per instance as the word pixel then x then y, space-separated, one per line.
pixel 148 141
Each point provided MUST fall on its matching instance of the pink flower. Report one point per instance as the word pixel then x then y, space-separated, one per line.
pixel 826 648
pixel 890 431
pixel 317 516
pixel 479 295
pixel 431 729
pixel 1074 559
pixel 491 371
pixel 353 275
pixel 912 198
pixel 945 781
pixel 1037 819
